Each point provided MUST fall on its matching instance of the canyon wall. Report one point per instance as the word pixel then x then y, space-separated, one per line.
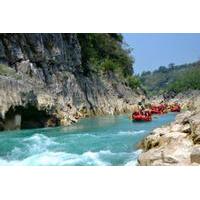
pixel 42 83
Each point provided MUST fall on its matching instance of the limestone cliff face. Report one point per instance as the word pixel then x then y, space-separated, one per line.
pixel 42 84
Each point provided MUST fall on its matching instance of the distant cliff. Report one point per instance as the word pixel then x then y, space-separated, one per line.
pixel 54 79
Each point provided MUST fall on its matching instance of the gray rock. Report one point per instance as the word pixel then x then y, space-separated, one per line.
pixel 195 155
pixel 186 128
pixel 45 71
pixel 195 128
pixel 184 117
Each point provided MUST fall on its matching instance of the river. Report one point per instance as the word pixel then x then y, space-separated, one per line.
pixel 107 140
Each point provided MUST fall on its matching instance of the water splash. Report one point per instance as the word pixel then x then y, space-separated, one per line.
pixel 92 143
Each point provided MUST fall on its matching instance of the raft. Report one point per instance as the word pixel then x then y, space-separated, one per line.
pixel 176 108
pixel 156 111
pixel 138 116
pixel 159 110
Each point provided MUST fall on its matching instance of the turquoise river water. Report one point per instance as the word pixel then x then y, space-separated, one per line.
pixel 108 140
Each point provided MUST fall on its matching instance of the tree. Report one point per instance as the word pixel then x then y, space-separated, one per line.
pixel 145 73
pixel 171 66
pixel 107 48
pixel 162 69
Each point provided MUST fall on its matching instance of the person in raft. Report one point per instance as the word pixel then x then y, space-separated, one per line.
pixel 141 103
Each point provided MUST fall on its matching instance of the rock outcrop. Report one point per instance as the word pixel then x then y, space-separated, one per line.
pixel 177 143
pixel 42 83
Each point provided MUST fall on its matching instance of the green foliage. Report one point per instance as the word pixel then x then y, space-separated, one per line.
pixel 189 79
pixel 162 69
pixel 145 73
pixel 133 82
pixel 105 50
pixel 118 37
pixel 172 78
pixel 109 65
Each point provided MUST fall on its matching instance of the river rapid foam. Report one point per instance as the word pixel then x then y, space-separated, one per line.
pixel 91 142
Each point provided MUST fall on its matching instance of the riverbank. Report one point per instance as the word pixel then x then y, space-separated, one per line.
pixel 179 142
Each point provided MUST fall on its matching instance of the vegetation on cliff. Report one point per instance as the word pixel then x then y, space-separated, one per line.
pixel 174 78
pixel 189 79
pixel 103 53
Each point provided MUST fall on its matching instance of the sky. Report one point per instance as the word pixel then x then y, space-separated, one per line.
pixel 152 50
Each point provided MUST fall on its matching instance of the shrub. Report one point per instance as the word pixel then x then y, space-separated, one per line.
pixel 133 82
pixel 106 49
pixel 189 79
pixel 109 65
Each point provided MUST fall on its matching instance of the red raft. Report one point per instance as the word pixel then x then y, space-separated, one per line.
pixel 176 108
pixel 142 116
pixel 155 110
pixel 158 109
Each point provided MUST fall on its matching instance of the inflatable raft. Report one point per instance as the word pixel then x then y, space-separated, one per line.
pixel 176 108
pixel 139 116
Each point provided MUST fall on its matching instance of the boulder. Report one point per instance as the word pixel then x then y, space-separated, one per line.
pixel 195 128
pixel 176 127
pixel 183 118
pixel 186 128
pixel 161 131
pixel 176 152
pixel 195 154
pixel 171 148
pixel 150 157
pixel 150 142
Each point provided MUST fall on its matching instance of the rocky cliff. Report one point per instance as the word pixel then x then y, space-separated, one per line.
pixel 43 83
